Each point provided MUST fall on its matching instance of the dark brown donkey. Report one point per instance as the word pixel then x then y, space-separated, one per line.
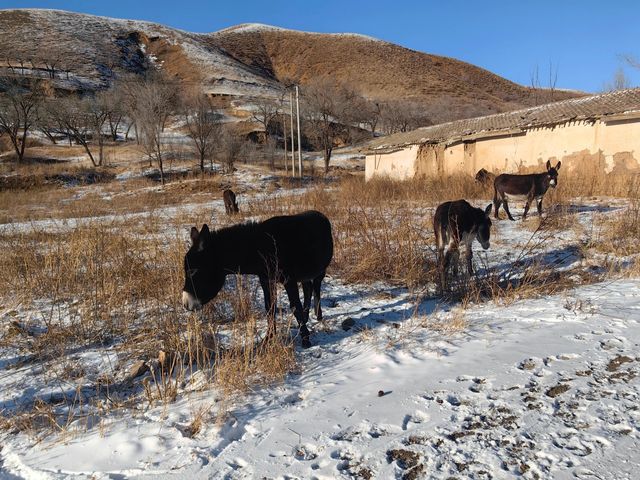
pixel 485 178
pixel 524 187
pixel 230 204
pixel 455 223
pixel 288 249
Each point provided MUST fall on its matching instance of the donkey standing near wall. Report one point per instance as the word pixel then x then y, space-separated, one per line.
pixel 230 204
pixel 524 187
pixel 455 223
pixel 485 177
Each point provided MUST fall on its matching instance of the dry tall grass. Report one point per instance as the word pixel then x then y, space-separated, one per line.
pixel 114 282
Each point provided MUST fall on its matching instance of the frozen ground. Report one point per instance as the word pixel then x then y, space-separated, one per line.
pixel 544 388
pixel 397 385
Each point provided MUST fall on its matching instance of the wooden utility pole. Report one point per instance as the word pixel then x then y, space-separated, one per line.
pixel 284 135
pixel 293 142
pixel 299 140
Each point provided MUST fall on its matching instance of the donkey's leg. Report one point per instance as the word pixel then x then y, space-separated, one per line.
pixel 269 292
pixel 506 209
pixel 496 204
pixel 452 255
pixel 540 207
pixel 307 288
pixel 317 282
pixel 469 255
pixel 440 262
pixel 294 301
pixel 526 209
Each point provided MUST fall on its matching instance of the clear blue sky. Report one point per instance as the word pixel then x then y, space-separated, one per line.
pixel 583 39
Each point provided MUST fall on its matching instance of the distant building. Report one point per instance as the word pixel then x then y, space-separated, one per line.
pixel 596 133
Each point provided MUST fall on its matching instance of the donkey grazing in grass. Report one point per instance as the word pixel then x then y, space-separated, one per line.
pixel 230 204
pixel 484 177
pixel 524 187
pixel 285 249
pixel 455 223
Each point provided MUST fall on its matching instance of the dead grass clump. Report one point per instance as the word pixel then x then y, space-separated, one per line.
pixel 591 182
pixel 619 233
pixel 431 189
pixel 377 243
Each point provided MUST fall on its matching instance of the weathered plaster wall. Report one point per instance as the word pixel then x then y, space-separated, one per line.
pixel 612 147
pixel 400 165
pixel 583 145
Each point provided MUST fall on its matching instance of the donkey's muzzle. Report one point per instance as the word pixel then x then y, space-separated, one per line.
pixel 190 302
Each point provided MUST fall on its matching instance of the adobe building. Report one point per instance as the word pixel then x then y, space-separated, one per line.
pixel 599 133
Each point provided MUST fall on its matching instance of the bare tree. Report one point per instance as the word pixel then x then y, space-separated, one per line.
pixel 402 116
pixel 620 81
pixel 83 121
pixel 327 108
pixel 47 124
pixel 230 148
pixel 155 102
pixel 371 114
pixel 534 76
pixel 203 125
pixel 19 110
pixel 630 60
pixel 265 111
pixel 553 79
pixel 543 95
pixel 114 102
pixel 126 89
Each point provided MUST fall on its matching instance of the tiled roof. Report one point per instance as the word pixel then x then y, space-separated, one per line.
pixel 592 107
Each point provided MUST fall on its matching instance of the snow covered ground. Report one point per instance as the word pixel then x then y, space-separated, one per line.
pixel 398 384
pixel 543 388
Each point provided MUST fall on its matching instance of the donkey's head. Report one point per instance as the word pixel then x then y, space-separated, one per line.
pixel 552 174
pixel 483 229
pixel 203 276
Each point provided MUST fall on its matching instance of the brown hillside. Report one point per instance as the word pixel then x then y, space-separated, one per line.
pixel 380 70
pixel 249 61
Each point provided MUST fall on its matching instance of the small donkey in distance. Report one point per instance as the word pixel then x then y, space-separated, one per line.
pixel 455 223
pixel 230 204
pixel 524 187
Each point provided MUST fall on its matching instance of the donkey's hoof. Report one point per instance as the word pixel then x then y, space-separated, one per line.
pixel 306 343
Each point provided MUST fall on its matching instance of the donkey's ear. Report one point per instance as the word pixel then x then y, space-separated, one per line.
pixel 194 235
pixel 548 164
pixel 558 165
pixel 487 211
pixel 205 231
